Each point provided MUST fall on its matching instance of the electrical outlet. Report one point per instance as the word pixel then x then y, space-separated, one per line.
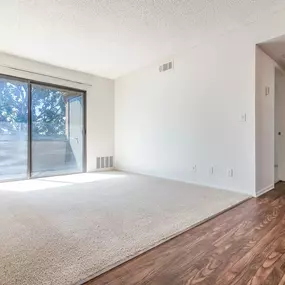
pixel 230 172
pixel 212 170
pixel 194 168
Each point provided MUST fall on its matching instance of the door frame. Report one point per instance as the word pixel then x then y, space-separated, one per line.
pixel 30 82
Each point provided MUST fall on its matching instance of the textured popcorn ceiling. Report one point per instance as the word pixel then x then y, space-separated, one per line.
pixel 111 38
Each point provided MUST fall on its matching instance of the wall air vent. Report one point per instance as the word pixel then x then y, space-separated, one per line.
pixel 166 66
pixel 107 162
pixel 104 162
pixel 98 162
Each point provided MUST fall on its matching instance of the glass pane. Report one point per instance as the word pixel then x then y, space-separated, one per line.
pixel 13 129
pixel 57 131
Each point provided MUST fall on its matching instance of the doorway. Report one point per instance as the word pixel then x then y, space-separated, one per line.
pixel 42 129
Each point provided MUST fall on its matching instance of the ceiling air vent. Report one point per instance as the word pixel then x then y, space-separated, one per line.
pixel 166 66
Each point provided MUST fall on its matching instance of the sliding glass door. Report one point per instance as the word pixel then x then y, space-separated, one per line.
pixel 57 131
pixel 42 130
pixel 13 129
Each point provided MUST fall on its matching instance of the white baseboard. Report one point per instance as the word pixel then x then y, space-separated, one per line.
pixel 217 187
pixel 265 190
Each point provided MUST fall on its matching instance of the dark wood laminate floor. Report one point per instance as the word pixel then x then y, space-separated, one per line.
pixel 245 246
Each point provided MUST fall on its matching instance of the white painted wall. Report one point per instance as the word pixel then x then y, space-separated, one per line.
pixel 100 101
pixel 190 116
pixel 167 122
pixel 265 133
pixel 280 124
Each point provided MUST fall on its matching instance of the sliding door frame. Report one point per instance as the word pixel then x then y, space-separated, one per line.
pixel 30 82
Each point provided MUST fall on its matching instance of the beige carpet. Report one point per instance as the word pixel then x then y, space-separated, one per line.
pixel 65 230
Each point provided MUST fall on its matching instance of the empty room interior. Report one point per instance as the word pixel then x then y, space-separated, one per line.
pixel 142 142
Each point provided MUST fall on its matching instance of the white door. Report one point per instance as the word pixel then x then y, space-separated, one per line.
pixel 279 126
